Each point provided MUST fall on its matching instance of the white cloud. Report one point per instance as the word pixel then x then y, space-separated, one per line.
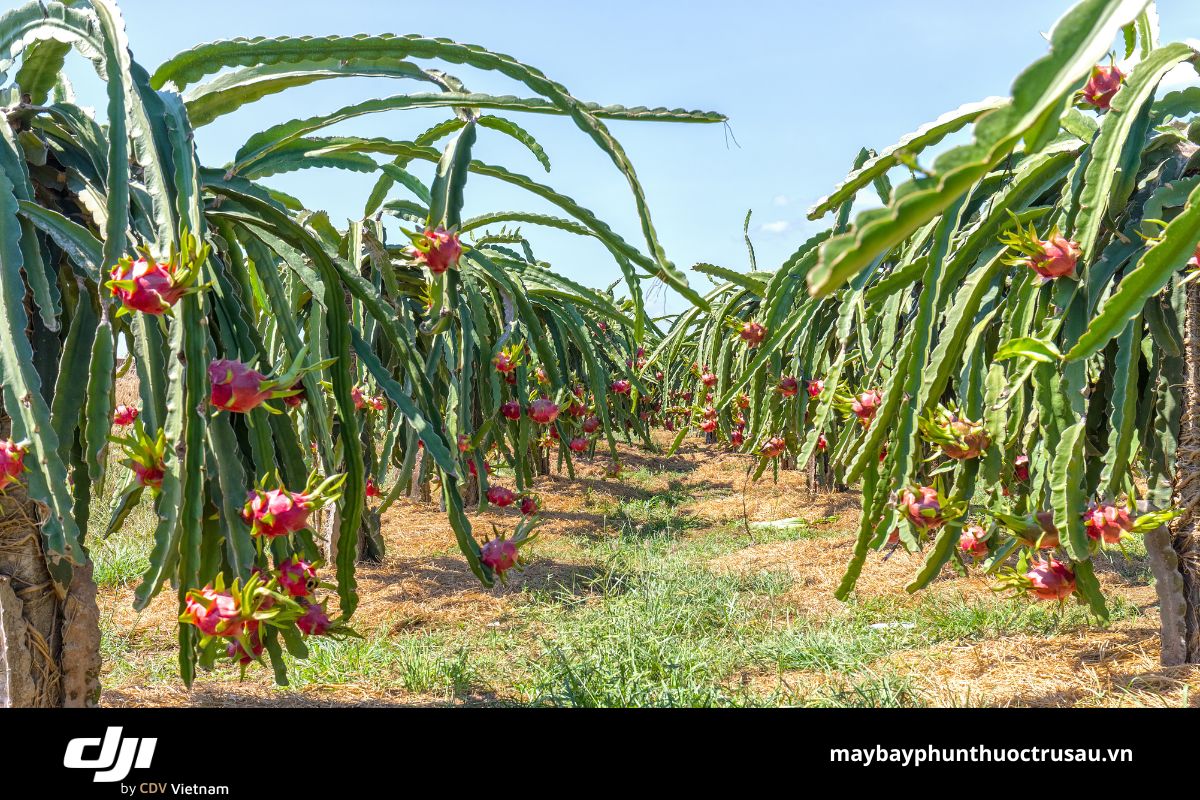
pixel 781 200
pixel 778 226
pixel 1181 76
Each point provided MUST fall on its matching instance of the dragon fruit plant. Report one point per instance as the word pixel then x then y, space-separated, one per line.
pixel 420 319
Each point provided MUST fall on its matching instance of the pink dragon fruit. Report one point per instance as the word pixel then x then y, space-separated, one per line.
pixel 1021 468
pixel 500 496
pixel 379 402
pixel 591 425
pixel 1102 84
pixel 866 405
pixel 815 387
pixel 709 379
pixel 371 489
pixel 708 425
pixel 12 462
pixel 737 438
pixel 1050 579
pixel 774 447
pixel 125 415
pixel 314 622
pixel 543 411
pixel 504 362
pixel 753 334
pixel 1057 259
pixel 359 396
pixel 500 555
pixel 296 399
pixel 214 613
pixel 621 386
pixel 1040 531
pixel 297 577
pixel 972 543
pixel 511 410
pixel 277 512
pixel 236 650
pixel 1106 521
pixel 145 285
pixel 236 387
pixel 578 444
pixel 822 442
pixel 788 386
pixel 438 249
pixel 464 443
pixel 530 505
pixel 149 476
pixel 922 508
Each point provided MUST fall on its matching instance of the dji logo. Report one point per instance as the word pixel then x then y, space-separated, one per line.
pixel 117 755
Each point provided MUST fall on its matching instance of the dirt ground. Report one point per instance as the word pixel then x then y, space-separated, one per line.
pixel 423 585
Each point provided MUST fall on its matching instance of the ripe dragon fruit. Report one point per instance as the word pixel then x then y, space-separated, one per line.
pixel 1106 521
pixel 296 399
pixel 708 425
pixel 438 249
pixel 591 425
pixel 297 577
pixel 277 512
pixel 709 379
pixel 500 496
pixel 578 444
pixel 774 447
pixel 1038 530
pixel 500 555
pixel 959 438
pixel 371 489
pixel 922 507
pixel 238 388
pixel 530 505
pixel 315 621
pixel 738 438
pixel 1102 84
pixel 464 443
pixel 621 386
pixel 379 402
pixel 866 405
pixel 147 286
pixel 815 387
pixel 822 442
pixel 511 410
pixel 504 362
pixel 753 334
pixel 788 386
pixel 1050 579
pixel 214 613
pixel 125 415
pixel 1057 258
pixel 971 542
pixel 487 468
pixel 150 476
pixel 1021 468
pixel 359 396
pixel 236 650
pixel 742 401
pixel 146 456
pixel 543 411
pixel 12 462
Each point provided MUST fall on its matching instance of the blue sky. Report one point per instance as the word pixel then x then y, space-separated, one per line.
pixel 805 85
